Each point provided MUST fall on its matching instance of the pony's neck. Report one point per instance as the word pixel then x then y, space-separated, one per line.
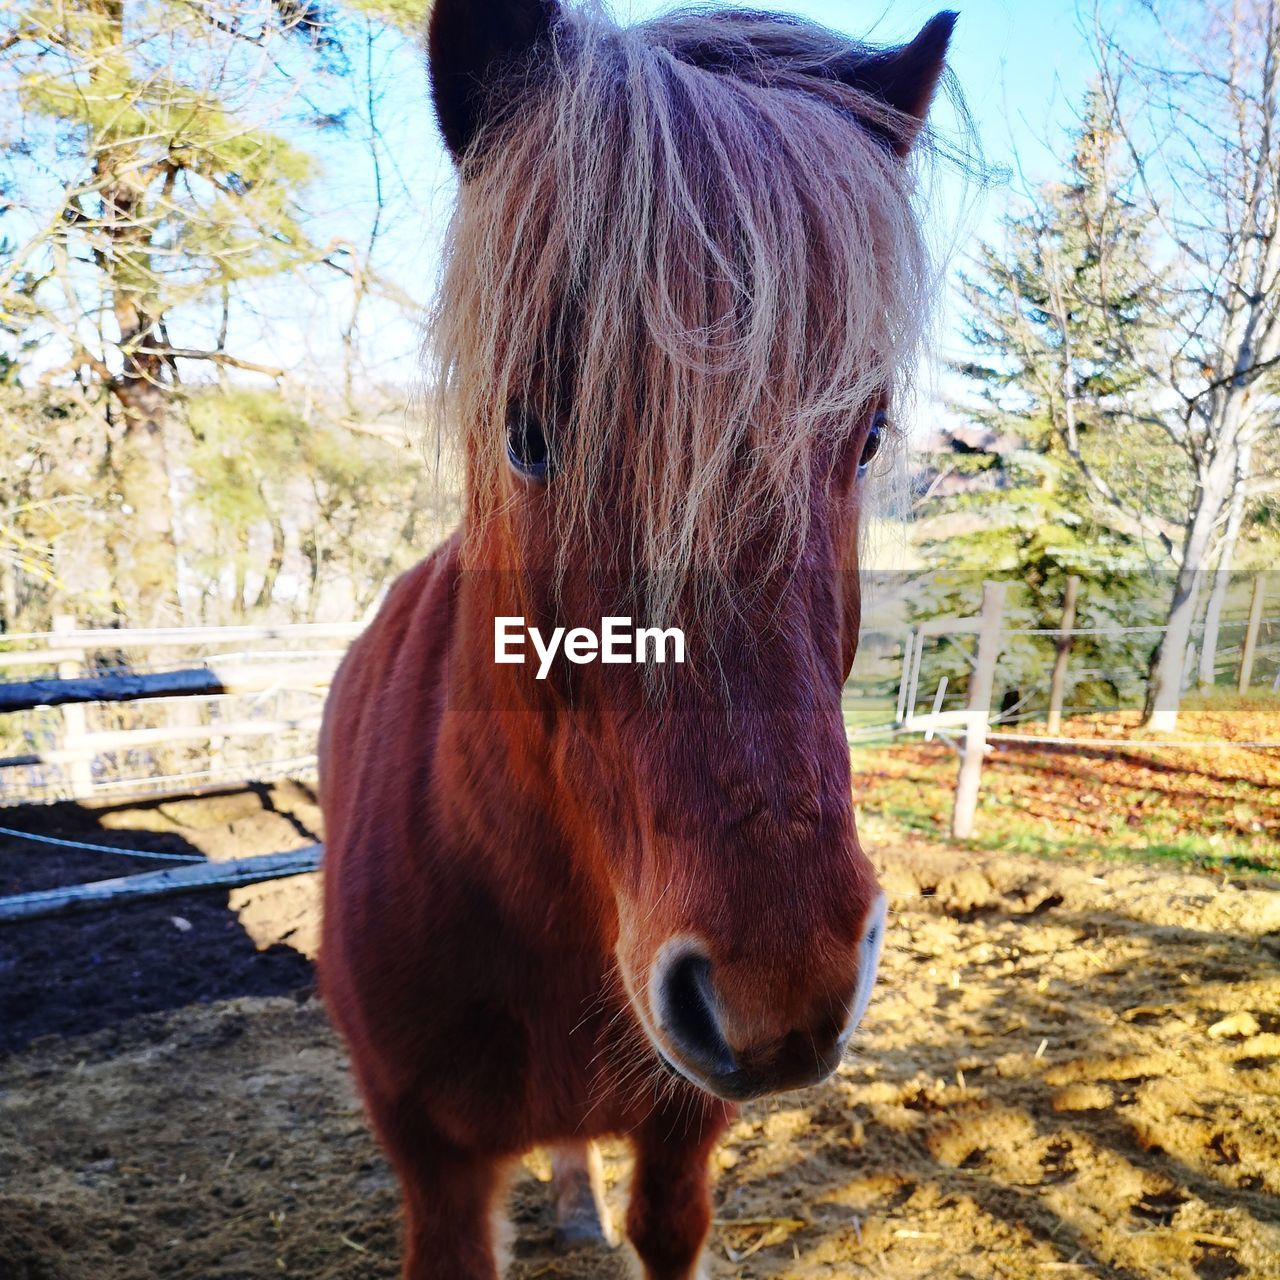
pixel 503 781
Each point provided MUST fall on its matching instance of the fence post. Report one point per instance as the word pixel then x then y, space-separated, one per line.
pixel 74 720
pixel 981 684
pixel 1251 633
pixel 1058 686
pixel 904 685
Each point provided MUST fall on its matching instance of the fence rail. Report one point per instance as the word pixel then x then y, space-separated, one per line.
pixel 181 637
pixel 127 686
pixel 228 701
pixel 188 693
pixel 158 884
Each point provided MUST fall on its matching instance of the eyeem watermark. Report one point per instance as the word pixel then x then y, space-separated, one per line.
pixel 617 641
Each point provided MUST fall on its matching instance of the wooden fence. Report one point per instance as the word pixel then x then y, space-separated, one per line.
pixel 61 757
pixel 977 721
pixel 81 668
pixel 65 674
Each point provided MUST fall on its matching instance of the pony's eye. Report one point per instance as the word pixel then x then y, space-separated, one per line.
pixel 527 447
pixel 875 438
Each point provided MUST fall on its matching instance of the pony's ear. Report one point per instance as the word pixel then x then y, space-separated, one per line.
pixel 905 78
pixel 470 44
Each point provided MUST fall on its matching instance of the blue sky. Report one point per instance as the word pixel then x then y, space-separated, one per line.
pixel 1021 67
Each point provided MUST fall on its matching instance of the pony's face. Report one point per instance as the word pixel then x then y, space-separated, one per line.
pixel 715 795
pixel 690 450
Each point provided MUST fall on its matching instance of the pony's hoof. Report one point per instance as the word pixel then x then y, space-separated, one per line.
pixel 584 1234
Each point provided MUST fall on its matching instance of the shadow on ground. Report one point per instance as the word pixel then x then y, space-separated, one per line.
pixel 79 973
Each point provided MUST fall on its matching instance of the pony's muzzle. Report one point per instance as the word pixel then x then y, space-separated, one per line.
pixel 691 1024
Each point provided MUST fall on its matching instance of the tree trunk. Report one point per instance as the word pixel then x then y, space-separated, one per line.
pixel 1058 684
pixel 1164 690
pixel 313 555
pixel 8 595
pixel 1222 579
pixel 274 565
pixel 1249 647
pixel 240 575
pixel 142 547
pixel 143 553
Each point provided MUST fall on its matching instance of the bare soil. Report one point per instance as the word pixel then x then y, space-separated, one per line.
pixel 72 974
pixel 1068 1071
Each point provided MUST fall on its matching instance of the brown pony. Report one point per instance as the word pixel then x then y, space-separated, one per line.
pixel 681 286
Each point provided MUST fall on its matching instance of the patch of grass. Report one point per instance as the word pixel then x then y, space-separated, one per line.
pixel 1209 808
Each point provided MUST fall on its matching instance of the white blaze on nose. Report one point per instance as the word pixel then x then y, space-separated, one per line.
pixel 868 963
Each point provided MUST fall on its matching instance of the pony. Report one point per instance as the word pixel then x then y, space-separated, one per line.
pixel 683 283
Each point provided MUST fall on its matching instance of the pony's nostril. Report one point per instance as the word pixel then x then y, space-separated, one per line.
pixel 688 1013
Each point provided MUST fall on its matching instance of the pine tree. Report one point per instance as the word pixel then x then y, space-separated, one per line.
pixel 147 191
pixel 1059 470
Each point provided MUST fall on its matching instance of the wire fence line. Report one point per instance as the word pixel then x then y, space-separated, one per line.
pixel 878 733
pixel 1145 629
pixel 119 851
pixel 301 766
pixel 1096 743
pixel 264 684
pixel 184 637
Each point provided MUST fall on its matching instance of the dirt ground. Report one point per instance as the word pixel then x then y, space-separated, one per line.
pixel 1068 1071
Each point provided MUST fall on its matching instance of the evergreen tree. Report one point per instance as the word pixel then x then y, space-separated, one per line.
pixel 147 185
pixel 1060 469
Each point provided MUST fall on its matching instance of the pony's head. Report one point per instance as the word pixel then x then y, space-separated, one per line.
pixel 682 285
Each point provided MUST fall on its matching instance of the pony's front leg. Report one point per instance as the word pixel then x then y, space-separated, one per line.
pixel 670 1209
pixel 449 1196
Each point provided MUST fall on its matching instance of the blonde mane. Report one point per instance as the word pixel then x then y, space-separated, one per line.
pixel 691 251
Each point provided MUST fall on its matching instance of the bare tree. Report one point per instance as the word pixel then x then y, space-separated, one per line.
pixel 1200 120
